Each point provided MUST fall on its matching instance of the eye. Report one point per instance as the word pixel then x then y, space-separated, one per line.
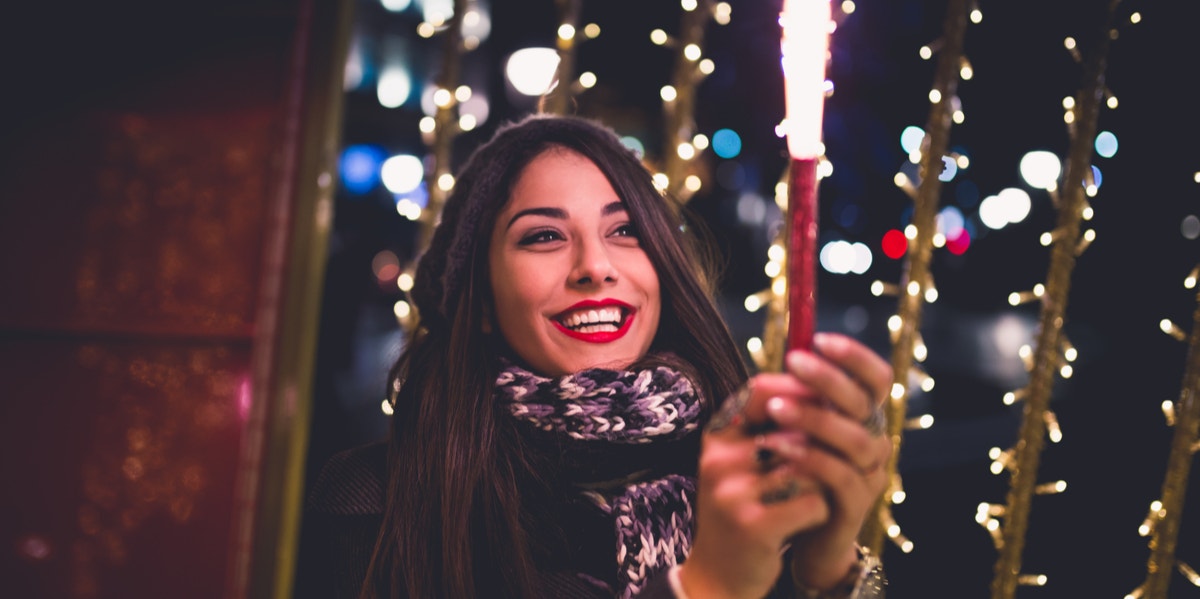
pixel 626 230
pixel 540 236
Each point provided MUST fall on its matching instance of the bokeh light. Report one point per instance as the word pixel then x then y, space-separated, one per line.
pixel 402 173
pixel 726 143
pixel 1106 144
pixel 1041 169
pixel 359 167
pixel 894 244
pixel 531 70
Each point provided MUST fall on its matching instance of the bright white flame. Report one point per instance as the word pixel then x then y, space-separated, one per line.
pixel 804 46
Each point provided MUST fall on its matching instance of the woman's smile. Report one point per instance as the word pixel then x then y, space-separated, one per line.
pixel 597 321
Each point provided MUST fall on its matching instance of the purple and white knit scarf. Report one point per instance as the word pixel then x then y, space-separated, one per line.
pixel 652 517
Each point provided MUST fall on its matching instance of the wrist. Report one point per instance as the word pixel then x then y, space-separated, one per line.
pixel 863 578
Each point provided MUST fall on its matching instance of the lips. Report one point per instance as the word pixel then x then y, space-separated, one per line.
pixel 596 321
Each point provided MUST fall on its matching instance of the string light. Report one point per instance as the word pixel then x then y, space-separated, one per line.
pixel 1189 282
pixel 1017 298
pixel 880 288
pixel 1172 329
pixel 1052 428
pixel 1032 580
pixel 1191 575
pixel 1013 397
pixel 1168 409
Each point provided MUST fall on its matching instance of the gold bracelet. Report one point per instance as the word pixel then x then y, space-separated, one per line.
pixel 864 580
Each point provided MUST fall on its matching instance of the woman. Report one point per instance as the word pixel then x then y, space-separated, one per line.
pixel 554 431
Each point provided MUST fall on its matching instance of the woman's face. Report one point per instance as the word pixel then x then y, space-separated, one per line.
pixel 571 285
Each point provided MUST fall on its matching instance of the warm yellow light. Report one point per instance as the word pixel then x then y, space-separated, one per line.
pixel 386 407
pixel 402 309
pixel 658 37
pixel 722 13
pixel 442 98
pixel 692 183
pixel 935 96
pixel 404 282
pixel 661 181
pixel 897 390
pixel 566 32
pixel 686 151
pixel 668 93
pixel 445 182
pixel 587 79
pixel 691 52
pixel 754 344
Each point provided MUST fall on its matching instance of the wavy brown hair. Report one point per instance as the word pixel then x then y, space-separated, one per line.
pixel 454 522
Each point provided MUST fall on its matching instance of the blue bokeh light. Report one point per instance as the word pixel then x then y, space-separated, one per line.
pixel 726 143
pixel 1106 144
pixel 359 167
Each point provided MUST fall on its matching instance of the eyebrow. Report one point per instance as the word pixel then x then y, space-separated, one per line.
pixel 608 210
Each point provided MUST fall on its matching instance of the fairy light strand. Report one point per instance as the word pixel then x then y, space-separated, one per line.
pixel 558 100
pixel 679 97
pixel 442 131
pixel 1045 363
pixel 917 277
pixel 1162 522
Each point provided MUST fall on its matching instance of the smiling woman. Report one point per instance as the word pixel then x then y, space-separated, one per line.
pixel 553 431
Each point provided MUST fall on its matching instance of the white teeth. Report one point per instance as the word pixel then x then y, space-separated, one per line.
pixel 603 317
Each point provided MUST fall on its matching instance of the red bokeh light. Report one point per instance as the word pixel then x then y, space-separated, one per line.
pixel 958 245
pixel 894 244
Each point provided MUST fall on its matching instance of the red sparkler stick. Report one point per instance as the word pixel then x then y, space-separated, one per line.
pixel 804 46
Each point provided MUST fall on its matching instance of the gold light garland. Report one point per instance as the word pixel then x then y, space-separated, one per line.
pixel 917 285
pixel 681 141
pixel 1162 523
pixel 438 132
pixel 1048 360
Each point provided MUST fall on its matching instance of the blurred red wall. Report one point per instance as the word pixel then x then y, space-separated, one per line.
pixel 165 192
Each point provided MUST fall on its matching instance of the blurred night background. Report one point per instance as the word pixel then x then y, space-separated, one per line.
pixel 1115 440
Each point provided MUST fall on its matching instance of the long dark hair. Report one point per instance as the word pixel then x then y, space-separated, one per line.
pixel 453 523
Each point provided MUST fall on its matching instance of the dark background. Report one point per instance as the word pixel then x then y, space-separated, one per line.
pixel 1115 440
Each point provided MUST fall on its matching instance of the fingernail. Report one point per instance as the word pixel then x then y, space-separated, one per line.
pixel 800 361
pixel 793 444
pixel 775 404
pixel 782 411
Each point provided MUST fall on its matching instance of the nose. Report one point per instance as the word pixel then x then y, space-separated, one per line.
pixel 593 264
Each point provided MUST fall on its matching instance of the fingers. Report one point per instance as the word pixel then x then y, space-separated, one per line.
pixel 849 375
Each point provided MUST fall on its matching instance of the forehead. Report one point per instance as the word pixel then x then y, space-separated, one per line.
pixel 559 175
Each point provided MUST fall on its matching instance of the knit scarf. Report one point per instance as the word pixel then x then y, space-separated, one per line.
pixel 587 419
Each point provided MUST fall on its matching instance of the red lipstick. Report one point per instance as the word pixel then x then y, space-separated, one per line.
pixel 603 336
